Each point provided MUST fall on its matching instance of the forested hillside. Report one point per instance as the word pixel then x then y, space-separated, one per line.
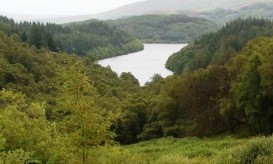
pixel 61 108
pixel 165 28
pixel 235 98
pixel 218 47
pixel 47 100
pixel 96 39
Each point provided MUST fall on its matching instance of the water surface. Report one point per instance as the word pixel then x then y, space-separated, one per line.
pixel 144 64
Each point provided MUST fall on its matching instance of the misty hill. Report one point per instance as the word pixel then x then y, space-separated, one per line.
pixel 165 28
pixel 222 16
pixel 161 7
pixel 170 6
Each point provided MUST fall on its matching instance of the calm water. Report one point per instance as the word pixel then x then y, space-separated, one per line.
pixel 144 64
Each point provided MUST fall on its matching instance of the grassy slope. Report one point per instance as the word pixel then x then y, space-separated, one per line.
pixel 191 150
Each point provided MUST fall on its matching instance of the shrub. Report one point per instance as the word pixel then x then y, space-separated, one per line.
pixel 256 150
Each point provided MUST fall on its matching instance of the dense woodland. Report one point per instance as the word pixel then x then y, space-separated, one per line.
pixel 96 39
pixel 218 47
pixel 54 106
pixel 61 108
pixel 165 28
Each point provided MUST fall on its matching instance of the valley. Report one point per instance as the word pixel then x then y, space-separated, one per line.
pixel 95 90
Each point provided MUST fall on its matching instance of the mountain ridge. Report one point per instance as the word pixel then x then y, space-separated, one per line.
pixel 159 7
pixel 173 5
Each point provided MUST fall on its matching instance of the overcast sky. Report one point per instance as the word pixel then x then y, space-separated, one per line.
pixel 60 7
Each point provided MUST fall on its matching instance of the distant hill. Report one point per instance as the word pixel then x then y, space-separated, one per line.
pixel 171 6
pixel 222 16
pixel 165 28
pixel 161 7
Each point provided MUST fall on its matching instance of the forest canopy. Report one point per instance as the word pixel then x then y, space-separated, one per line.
pixel 165 28
pixel 96 39
pixel 218 47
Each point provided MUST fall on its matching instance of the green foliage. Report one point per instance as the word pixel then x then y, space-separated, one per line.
pixel 188 105
pixel 86 124
pixel 96 38
pixel 129 77
pixel 113 155
pixel 165 28
pixel 16 156
pixel 133 121
pixel 191 150
pixel 256 150
pixel 250 94
pixel 37 34
pixel 232 98
pixel 60 108
pixel 48 99
pixel 23 127
pixel 217 48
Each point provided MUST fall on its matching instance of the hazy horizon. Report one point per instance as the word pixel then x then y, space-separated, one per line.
pixel 44 9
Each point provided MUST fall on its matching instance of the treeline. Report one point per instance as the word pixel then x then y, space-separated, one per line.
pixel 36 34
pixel 98 39
pixel 217 48
pixel 95 39
pixel 165 28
